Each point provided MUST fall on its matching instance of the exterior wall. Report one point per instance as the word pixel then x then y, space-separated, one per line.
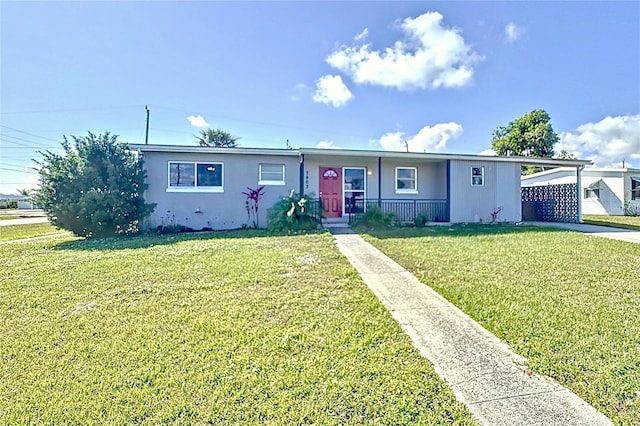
pixel 635 204
pixel 474 203
pixel 225 210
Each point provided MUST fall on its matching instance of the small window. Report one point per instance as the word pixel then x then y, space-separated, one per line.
pixel 592 191
pixel 271 174
pixel 406 180
pixel 189 176
pixel 477 176
pixel 635 188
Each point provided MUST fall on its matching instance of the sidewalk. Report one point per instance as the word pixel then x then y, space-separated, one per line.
pixel 23 221
pixel 484 373
pixel 595 230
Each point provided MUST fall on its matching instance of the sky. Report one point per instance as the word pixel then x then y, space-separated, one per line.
pixel 430 76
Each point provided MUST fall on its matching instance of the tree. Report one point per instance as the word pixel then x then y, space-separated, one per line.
pixel 25 191
pixel 95 188
pixel 217 138
pixel 528 136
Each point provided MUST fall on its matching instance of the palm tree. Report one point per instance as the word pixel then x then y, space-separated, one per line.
pixel 217 138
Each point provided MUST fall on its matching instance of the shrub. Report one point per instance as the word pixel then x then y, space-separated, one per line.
pixel 374 218
pixel 95 188
pixel 292 213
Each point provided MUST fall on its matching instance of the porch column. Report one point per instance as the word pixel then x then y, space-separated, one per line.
pixel 579 191
pixel 301 178
pixel 379 182
pixel 448 207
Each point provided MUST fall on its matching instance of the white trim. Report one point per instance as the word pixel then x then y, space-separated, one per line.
pixel 413 190
pixel 209 189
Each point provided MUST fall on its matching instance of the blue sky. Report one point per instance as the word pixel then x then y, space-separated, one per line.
pixel 440 76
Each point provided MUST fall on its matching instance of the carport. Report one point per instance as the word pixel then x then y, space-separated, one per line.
pixel 554 203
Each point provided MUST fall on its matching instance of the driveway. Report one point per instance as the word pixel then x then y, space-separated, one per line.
pixel 595 230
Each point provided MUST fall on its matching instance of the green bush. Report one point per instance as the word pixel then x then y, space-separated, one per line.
pixel 94 188
pixel 292 213
pixel 374 218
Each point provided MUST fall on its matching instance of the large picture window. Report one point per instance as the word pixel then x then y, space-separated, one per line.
pixel 271 174
pixel 407 180
pixel 192 176
pixel 635 188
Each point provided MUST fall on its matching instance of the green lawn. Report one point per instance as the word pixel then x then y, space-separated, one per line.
pixel 220 328
pixel 568 302
pixel 19 232
pixel 627 222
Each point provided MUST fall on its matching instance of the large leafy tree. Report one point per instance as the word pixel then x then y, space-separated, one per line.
pixel 94 188
pixel 529 136
pixel 217 138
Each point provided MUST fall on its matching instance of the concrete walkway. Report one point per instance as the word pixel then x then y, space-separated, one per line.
pixel 484 373
pixel 23 221
pixel 595 230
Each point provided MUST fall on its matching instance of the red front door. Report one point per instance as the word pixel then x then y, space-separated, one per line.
pixel 331 191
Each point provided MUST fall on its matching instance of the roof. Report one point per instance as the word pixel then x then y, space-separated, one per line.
pixel 587 170
pixel 360 153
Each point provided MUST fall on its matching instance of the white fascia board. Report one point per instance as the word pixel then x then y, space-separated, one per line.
pixel 212 150
pixel 442 156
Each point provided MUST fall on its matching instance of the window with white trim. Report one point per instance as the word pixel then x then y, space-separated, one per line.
pixel 592 191
pixel 271 174
pixel 477 176
pixel 353 188
pixel 189 176
pixel 406 180
pixel 635 188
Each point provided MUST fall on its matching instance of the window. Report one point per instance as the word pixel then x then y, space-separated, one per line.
pixel 354 189
pixel 477 176
pixel 191 176
pixel 592 191
pixel 271 174
pixel 406 180
pixel 635 188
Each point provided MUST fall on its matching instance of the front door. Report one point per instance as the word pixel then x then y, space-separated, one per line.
pixel 331 191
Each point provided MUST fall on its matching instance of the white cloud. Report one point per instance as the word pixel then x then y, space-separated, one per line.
pixel 513 32
pixel 327 145
pixel 362 35
pixel 607 143
pixel 428 139
pixel 197 121
pixel 431 56
pixel 331 90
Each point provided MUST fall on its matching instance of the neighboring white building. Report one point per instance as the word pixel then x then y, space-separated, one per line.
pixel 604 190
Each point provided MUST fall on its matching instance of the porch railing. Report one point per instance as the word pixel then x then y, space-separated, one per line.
pixel 404 211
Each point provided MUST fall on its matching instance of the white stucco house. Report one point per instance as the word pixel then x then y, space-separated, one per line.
pixel 603 190
pixel 201 187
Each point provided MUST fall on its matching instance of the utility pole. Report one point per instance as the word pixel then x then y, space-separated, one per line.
pixel 146 136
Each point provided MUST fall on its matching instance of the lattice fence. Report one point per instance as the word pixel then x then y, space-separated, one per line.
pixel 550 203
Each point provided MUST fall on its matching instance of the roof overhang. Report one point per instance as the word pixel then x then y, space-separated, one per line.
pixel 424 156
pixel 212 150
pixel 527 161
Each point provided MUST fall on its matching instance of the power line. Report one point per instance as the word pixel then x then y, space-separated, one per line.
pixel 30 134
pixel 70 110
pixel 17 170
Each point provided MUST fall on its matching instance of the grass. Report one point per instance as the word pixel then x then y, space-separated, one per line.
pixel 220 328
pixel 627 222
pixel 565 301
pixel 19 232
